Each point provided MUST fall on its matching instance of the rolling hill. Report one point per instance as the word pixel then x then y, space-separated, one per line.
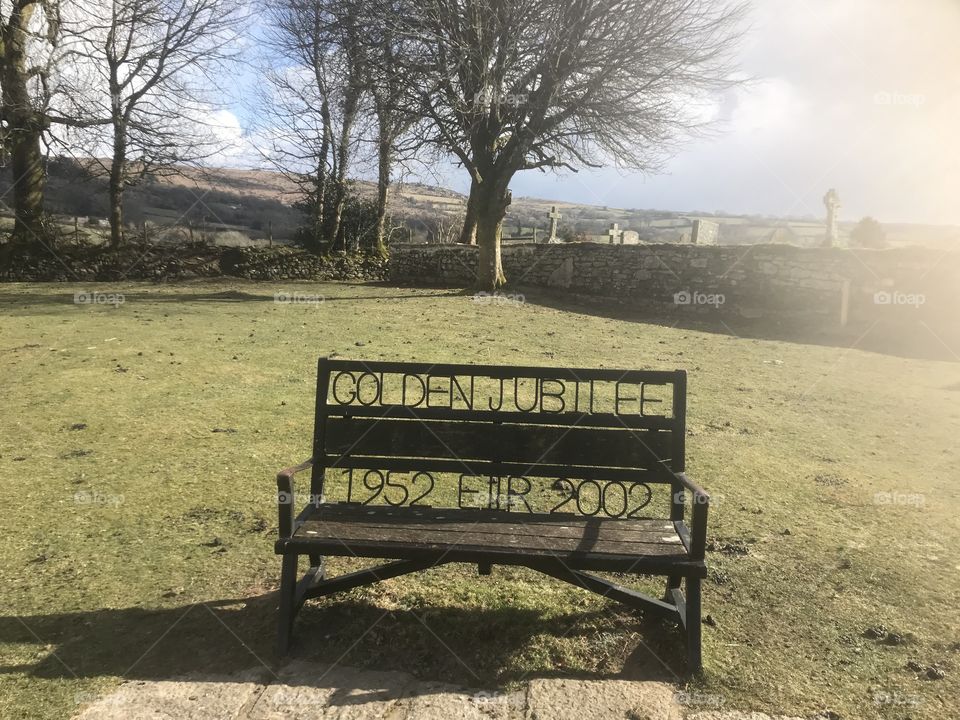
pixel 235 206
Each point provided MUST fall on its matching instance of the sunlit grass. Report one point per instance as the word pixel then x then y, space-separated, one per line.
pixel 138 445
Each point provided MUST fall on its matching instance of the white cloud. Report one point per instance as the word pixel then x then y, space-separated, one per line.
pixel 237 149
pixel 769 110
pixel 813 120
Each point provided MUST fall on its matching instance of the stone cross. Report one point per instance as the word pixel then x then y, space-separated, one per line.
pixel 554 217
pixel 615 234
pixel 832 201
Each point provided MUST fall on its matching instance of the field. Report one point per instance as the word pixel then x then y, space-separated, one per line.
pixel 237 206
pixel 139 441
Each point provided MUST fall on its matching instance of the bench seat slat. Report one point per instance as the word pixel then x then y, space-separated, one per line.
pixel 443 537
pixel 340 529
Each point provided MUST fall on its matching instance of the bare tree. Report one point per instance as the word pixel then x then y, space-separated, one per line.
pixel 448 228
pixel 315 100
pixel 386 79
pixel 296 103
pixel 345 30
pixel 29 34
pixel 152 64
pixel 393 119
pixel 512 85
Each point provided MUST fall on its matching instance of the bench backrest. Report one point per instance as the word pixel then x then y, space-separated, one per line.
pixel 601 438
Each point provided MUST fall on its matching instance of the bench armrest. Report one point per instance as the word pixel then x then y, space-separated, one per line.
pixel 285 496
pixel 693 487
pixel 698 523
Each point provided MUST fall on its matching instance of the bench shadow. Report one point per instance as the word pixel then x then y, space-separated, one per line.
pixel 217 639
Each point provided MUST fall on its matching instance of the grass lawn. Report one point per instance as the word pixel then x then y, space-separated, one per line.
pixel 138 446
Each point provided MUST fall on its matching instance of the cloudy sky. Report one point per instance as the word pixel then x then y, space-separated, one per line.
pixel 861 95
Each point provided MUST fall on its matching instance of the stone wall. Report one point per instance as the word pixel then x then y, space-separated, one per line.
pixel 149 261
pixel 747 281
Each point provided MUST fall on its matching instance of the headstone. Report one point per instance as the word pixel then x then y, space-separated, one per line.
pixel 554 216
pixel 832 202
pixel 614 233
pixel 705 232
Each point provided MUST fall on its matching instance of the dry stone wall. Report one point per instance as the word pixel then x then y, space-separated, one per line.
pixel 748 281
pixel 149 261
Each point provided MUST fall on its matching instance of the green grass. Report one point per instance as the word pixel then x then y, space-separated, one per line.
pixel 110 570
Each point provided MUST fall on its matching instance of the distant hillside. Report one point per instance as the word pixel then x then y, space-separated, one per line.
pixel 232 205
pixel 225 202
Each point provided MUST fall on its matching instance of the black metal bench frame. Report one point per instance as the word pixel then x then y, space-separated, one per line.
pixel 683 569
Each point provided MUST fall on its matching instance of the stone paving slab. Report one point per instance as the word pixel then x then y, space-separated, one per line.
pixel 302 690
pixel 219 696
pixel 588 699
pixel 738 715
pixel 436 701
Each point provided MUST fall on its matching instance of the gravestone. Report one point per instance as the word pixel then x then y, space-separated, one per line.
pixel 615 234
pixel 832 202
pixel 554 216
pixel 705 232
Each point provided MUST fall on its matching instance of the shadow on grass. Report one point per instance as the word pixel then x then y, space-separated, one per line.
pixel 915 339
pixel 38 301
pixel 912 340
pixel 471 647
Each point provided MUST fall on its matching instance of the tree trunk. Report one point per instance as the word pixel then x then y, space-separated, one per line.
pixel 468 235
pixel 385 160
pixel 492 202
pixel 317 210
pixel 30 179
pixel 117 166
pixel 336 215
pixel 23 127
pixel 316 215
pixel 320 181
pixel 343 160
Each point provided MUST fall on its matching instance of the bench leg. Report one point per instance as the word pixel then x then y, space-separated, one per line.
pixel 693 627
pixel 315 575
pixel 316 561
pixel 673 582
pixel 288 602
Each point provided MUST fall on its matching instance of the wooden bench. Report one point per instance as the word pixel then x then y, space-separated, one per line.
pixel 553 469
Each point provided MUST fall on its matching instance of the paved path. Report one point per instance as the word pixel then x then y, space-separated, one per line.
pixel 304 690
